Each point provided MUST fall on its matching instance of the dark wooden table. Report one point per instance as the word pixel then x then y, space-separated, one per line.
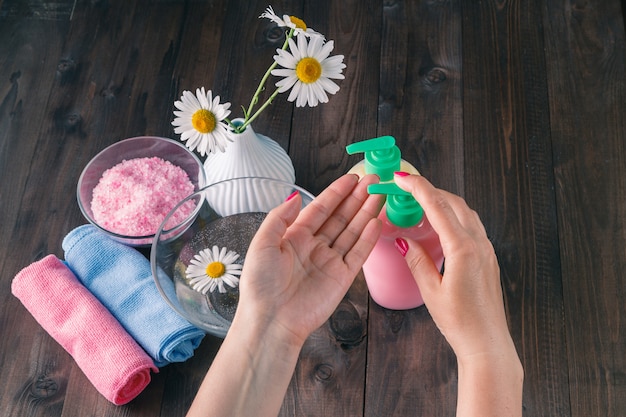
pixel 519 106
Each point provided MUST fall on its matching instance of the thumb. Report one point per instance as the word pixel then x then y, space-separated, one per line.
pixel 420 263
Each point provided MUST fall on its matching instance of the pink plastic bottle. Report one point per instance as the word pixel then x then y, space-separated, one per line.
pixel 389 280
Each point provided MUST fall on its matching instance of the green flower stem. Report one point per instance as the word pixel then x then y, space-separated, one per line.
pixel 231 124
pixel 255 97
pixel 250 119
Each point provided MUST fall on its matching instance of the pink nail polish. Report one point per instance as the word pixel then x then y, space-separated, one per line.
pixel 292 195
pixel 402 246
pixel 401 174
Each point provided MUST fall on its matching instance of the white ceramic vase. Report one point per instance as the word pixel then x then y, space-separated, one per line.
pixel 248 155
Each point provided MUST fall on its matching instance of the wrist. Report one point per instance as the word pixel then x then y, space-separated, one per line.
pixel 506 362
pixel 263 332
pixel 497 347
pixel 490 385
pixel 251 372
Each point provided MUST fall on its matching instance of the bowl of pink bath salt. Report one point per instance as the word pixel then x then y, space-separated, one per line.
pixel 128 189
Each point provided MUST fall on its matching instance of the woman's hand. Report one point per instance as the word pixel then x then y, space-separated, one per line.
pixel 466 302
pixel 298 267
pixel 301 263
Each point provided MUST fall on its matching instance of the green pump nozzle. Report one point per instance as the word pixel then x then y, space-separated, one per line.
pixel 402 209
pixel 382 156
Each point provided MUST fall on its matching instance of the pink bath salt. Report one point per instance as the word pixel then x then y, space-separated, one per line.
pixel 133 197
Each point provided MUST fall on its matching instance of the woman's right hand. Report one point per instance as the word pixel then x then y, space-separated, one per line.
pixel 466 301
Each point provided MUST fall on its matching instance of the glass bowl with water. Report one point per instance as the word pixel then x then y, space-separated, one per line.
pixel 230 214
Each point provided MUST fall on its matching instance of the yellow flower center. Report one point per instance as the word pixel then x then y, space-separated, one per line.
pixel 203 121
pixel 215 269
pixel 308 70
pixel 298 22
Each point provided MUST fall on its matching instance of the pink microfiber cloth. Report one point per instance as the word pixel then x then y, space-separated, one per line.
pixel 109 357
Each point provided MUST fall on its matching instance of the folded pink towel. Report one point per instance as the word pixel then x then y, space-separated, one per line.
pixel 110 358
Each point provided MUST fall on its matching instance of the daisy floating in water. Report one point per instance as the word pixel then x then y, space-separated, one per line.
pixel 308 70
pixel 199 121
pixel 212 268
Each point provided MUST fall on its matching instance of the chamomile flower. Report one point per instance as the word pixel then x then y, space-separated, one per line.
pixel 199 121
pixel 212 268
pixel 292 22
pixel 308 70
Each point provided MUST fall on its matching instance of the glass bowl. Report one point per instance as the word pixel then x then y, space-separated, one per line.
pixel 230 214
pixel 127 149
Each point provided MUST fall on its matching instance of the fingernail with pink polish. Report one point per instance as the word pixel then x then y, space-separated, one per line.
pixel 401 174
pixel 292 195
pixel 402 246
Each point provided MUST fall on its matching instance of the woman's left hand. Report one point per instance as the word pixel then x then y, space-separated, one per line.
pixel 300 264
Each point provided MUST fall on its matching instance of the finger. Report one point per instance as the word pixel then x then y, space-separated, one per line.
pixel 422 267
pixel 436 205
pixel 323 206
pixel 276 222
pixel 353 231
pixel 350 217
pixel 468 218
pixel 359 252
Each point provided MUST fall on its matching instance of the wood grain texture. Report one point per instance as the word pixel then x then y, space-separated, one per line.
pixel 420 104
pixel 37 367
pixel 516 105
pixel 587 93
pixel 509 181
pixel 330 377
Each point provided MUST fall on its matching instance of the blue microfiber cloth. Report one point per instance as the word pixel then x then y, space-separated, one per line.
pixel 120 277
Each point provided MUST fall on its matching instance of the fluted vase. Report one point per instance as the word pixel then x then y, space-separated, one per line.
pixel 250 154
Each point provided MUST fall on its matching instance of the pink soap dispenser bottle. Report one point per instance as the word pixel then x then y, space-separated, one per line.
pixel 389 279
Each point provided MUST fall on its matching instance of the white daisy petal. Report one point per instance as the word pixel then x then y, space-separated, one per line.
pixel 314 46
pixel 230 257
pixel 303 45
pixel 282 72
pixel 202 98
pixel 295 91
pixel 329 86
pixel 190 100
pixel 286 60
pixel 311 33
pixel 318 92
pixel 303 97
pixel 324 51
pixel 286 83
pixel 229 280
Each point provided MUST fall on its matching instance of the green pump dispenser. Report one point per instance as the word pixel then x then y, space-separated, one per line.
pixel 382 156
pixel 402 209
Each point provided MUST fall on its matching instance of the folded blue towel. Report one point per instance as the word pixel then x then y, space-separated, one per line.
pixel 120 277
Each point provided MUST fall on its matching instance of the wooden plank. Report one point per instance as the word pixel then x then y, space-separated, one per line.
pixel 37 9
pixel 330 376
pixel 586 50
pixel 34 366
pixel 319 135
pixel 411 369
pixel 246 51
pixel 510 183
